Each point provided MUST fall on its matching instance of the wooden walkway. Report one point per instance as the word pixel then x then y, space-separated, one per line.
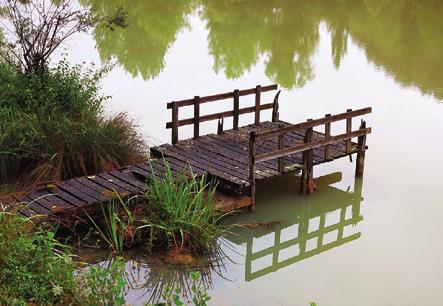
pixel 235 159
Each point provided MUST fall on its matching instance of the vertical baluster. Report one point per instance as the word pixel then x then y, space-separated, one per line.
pixel 174 139
pixel 348 130
pixel 327 136
pixel 257 104
pixel 236 108
pixel 196 117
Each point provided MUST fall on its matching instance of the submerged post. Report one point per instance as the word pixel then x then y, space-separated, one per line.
pixel 257 104
pixel 236 108
pixel 275 114
pixel 174 128
pixel 307 180
pixel 196 117
pixel 252 136
pixel 361 149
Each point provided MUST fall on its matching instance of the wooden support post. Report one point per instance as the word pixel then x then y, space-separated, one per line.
pixel 196 117
pixel 327 136
pixel 257 104
pixel 361 147
pixel 281 145
pixel 348 130
pixel 252 145
pixel 275 113
pixel 236 108
pixel 220 126
pixel 307 181
pixel 174 120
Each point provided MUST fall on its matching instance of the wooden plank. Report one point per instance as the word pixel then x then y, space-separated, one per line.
pixel 221 96
pixel 214 162
pixel 79 190
pixel 313 123
pixel 311 145
pixel 33 205
pixel 204 162
pixel 110 185
pixel 74 201
pixel 119 182
pixel 99 192
pixel 126 176
pixel 50 201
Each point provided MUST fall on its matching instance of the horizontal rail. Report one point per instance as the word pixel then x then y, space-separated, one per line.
pixel 309 124
pixel 223 96
pixel 216 116
pixel 310 145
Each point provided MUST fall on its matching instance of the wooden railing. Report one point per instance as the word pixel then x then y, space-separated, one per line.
pixel 307 185
pixel 235 112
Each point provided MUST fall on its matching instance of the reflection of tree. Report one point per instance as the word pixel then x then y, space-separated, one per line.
pixel 309 239
pixel 154 25
pixel 241 32
pixel 400 36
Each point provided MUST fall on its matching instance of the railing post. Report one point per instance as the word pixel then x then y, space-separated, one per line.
pixel 236 108
pixel 252 145
pixel 327 136
pixel 275 114
pixel 307 181
pixel 174 137
pixel 361 147
pixel 196 117
pixel 220 126
pixel 257 104
pixel 348 130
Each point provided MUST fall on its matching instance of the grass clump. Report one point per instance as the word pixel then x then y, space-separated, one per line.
pixel 37 269
pixel 53 126
pixel 176 215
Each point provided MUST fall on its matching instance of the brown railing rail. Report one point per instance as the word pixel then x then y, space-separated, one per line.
pixel 175 123
pixel 282 150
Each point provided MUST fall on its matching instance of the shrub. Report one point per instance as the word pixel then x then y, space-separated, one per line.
pixel 36 269
pixel 53 126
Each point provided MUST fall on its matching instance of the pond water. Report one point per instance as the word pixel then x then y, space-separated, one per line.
pixel 367 242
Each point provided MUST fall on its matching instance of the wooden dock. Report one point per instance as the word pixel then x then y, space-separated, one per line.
pixel 236 159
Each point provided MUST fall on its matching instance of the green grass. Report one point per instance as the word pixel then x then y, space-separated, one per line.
pixel 175 214
pixel 53 126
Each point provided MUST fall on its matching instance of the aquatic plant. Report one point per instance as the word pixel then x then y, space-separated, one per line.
pixel 176 214
pixel 118 225
pixel 181 213
pixel 53 127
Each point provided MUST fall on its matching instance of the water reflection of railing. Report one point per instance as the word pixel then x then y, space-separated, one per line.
pixel 310 242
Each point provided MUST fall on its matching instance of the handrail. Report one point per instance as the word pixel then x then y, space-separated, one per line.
pixel 307 183
pixel 175 122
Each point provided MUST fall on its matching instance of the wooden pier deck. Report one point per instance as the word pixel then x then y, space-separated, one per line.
pixel 235 159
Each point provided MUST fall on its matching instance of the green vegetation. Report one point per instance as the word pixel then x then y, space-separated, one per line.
pixel 53 126
pixel 37 269
pixel 175 214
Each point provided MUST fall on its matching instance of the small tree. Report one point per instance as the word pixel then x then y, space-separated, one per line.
pixel 33 29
